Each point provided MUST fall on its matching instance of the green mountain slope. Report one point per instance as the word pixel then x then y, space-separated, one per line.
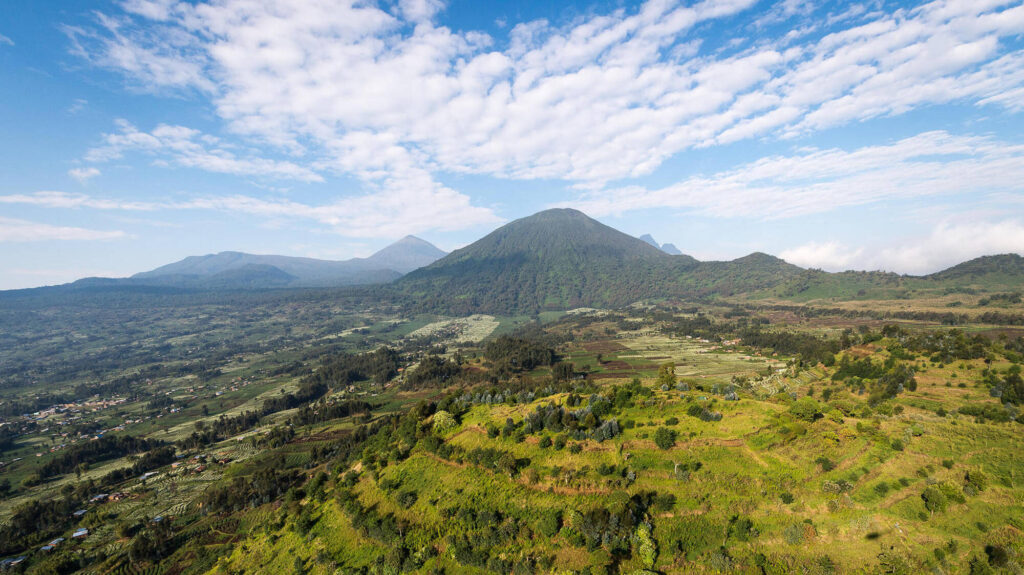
pixel 556 259
pixel 560 259
pixel 1004 271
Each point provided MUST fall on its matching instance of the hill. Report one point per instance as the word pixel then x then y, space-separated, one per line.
pixel 996 269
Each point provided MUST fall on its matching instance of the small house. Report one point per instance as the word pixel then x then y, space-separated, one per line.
pixel 79 533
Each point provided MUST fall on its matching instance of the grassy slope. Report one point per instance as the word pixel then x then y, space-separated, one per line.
pixel 749 459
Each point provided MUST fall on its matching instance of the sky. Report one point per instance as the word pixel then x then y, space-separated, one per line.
pixel 836 135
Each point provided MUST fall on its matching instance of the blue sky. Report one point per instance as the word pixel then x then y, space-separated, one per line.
pixel 874 135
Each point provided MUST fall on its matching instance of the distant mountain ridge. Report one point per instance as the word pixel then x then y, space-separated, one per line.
pixel 239 270
pixel 555 260
pixel 562 259
pixel 669 249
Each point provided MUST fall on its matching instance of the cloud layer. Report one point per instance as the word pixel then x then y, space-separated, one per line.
pixel 948 244
pixel 395 98
pixel 815 181
pixel 16 230
pixel 361 216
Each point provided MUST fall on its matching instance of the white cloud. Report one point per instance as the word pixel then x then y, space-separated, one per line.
pixel 607 97
pixel 14 230
pixel 83 174
pixel 406 207
pixel 827 255
pixel 6 40
pixel 77 106
pixel 948 244
pixel 190 148
pixel 814 181
pixel 64 200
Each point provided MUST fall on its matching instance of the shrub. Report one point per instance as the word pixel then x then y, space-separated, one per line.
pixel 550 522
pixel 407 499
pixel 665 438
pixel 741 528
pixel 997 556
pixel 786 497
pixel 934 499
pixel 806 408
pixel 794 534
pixel 976 480
pixel 443 421
pixel 663 502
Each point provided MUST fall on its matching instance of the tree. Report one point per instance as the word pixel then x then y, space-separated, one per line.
pixel 647 549
pixel 443 421
pixel 562 371
pixel 665 438
pixel 806 408
pixel 934 499
pixel 667 374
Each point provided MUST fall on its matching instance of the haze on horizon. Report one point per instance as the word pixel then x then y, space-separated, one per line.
pixel 872 135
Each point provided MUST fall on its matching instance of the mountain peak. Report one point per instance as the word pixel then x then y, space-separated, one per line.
pixel 669 249
pixel 406 254
pixel 650 239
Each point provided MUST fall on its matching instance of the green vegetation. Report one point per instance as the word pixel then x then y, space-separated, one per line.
pixel 696 419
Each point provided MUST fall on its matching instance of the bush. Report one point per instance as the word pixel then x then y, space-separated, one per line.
pixel 665 438
pixel 443 421
pixel 806 408
pixel 663 502
pixel 786 497
pixel 976 480
pixel 794 534
pixel 741 528
pixel 997 556
pixel 550 522
pixel 407 499
pixel 934 499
